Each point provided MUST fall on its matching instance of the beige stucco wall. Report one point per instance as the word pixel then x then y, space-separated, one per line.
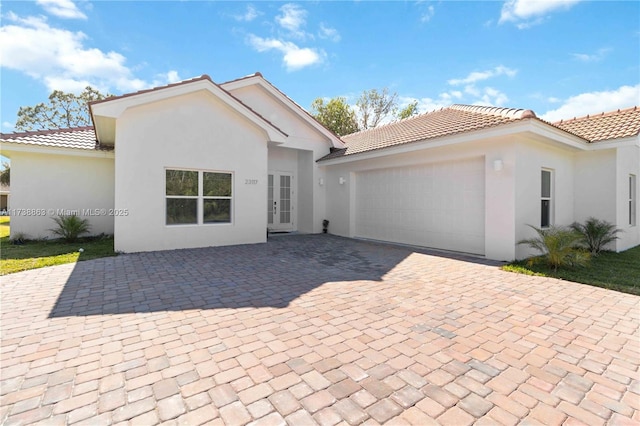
pixel 500 188
pixel 531 158
pixel 595 180
pixel 627 162
pixel 43 185
pixel 196 131
pixel 586 183
pixel 304 145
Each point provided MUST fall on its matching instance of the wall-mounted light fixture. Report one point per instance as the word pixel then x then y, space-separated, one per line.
pixel 498 165
pixel 321 181
pixel 341 181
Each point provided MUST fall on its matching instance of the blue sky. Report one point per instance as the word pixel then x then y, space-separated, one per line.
pixel 560 58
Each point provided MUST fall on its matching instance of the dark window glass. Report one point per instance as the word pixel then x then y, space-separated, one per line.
pixel 182 182
pixel 217 211
pixel 546 184
pixel 545 217
pixel 216 184
pixel 182 211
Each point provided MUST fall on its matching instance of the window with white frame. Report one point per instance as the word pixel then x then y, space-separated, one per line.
pixel 546 198
pixel 632 200
pixel 198 197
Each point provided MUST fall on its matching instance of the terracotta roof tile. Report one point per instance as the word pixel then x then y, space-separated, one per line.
pixel 153 89
pixel 192 80
pixel 605 126
pixel 444 122
pixel 77 137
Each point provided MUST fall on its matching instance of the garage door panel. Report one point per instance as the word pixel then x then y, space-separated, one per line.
pixel 438 205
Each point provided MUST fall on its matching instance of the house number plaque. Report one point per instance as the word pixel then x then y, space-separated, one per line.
pixel 251 181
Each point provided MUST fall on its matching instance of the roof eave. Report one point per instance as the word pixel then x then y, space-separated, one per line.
pixel 8 147
pixel 615 143
pixel 112 108
pixel 527 125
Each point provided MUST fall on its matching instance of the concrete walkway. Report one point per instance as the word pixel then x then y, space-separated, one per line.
pixel 311 330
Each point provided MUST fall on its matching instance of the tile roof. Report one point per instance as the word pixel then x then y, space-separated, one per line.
pixel 153 89
pixel 192 80
pixel 604 126
pixel 444 122
pixel 77 137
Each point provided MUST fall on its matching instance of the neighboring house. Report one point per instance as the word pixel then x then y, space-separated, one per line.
pixel 4 197
pixel 196 164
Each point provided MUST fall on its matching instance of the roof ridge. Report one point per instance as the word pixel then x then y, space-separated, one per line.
pixel 297 105
pixel 13 135
pixel 513 113
pixel 255 74
pixel 203 77
pixel 152 89
pixel 600 114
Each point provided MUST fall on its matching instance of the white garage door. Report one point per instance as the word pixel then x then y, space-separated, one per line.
pixel 439 205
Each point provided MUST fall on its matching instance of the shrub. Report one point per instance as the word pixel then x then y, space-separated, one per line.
pixel 69 228
pixel 559 247
pixel 596 234
pixel 19 238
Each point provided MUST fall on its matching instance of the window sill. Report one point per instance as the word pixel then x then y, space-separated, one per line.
pixel 196 225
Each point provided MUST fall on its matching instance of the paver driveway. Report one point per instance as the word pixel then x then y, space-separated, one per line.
pixel 313 329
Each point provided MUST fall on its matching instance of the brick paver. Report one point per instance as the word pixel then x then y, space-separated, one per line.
pixel 313 330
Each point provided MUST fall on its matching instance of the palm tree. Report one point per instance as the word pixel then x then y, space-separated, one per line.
pixel 596 234
pixel 560 247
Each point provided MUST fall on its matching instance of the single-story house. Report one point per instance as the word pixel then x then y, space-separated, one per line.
pixel 196 164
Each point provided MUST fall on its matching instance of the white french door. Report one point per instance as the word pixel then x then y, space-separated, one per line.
pixel 280 203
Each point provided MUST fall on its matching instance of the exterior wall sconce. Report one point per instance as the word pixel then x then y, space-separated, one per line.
pixel 321 181
pixel 497 165
pixel 341 181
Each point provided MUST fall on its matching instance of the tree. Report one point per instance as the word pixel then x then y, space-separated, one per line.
pixel 408 111
pixel 374 106
pixel 63 110
pixel 5 174
pixel 336 115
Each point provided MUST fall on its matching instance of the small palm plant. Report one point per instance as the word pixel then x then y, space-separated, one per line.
pixel 596 234
pixel 70 227
pixel 560 247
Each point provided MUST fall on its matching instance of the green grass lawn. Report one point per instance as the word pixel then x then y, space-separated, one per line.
pixel 38 254
pixel 615 271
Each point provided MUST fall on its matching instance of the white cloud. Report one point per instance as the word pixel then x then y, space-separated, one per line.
pixel 595 102
pixel 526 13
pixel 8 126
pixel 169 77
pixel 426 16
pixel 249 15
pixel 476 76
pixel 443 100
pixel 472 94
pixel 60 59
pixel 292 19
pixel 294 57
pixel 493 97
pixel 62 9
pixel 591 57
pixel 329 33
